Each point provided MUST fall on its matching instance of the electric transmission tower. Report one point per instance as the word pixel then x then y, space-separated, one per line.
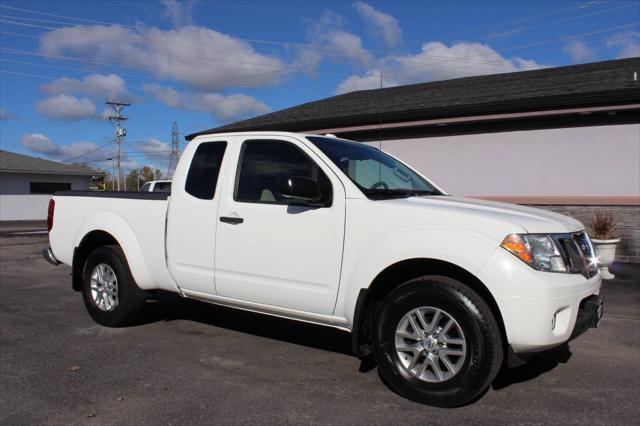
pixel 175 150
pixel 121 132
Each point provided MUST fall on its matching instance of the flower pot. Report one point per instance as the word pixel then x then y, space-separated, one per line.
pixel 605 251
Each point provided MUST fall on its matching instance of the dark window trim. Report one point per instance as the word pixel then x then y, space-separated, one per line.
pixel 274 203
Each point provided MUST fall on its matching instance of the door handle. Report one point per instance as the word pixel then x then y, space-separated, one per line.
pixel 231 220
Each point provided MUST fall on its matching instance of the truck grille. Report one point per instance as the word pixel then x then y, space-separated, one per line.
pixel 577 251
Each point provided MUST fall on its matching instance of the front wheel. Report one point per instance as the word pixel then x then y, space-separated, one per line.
pixel 437 342
pixel 110 293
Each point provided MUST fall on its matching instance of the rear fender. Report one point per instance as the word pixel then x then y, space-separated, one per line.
pixel 117 227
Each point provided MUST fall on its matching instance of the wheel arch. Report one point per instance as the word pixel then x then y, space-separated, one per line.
pixel 90 242
pixel 394 275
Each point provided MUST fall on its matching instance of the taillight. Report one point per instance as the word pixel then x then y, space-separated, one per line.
pixel 52 206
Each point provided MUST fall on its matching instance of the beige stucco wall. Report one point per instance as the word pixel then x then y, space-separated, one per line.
pixel 584 161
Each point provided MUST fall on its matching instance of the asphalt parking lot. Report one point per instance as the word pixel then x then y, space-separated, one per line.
pixel 193 363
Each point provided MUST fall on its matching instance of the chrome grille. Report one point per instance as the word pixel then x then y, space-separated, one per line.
pixel 577 251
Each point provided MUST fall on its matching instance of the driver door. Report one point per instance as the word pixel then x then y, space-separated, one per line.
pixel 269 251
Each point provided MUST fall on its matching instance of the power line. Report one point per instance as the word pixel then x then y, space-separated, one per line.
pixel 534 17
pixel 291 69
pixel 216 60
pixel 573 18
pixel 62 67
pixel 306 45
pixel 87 153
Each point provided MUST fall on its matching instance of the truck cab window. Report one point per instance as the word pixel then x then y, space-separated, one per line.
pixel 264 163
pixel 162 187
pixel 205 167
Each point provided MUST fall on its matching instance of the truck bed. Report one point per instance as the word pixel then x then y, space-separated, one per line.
pixel 137 217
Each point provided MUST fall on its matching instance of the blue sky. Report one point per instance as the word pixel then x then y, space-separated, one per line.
pixel 205 63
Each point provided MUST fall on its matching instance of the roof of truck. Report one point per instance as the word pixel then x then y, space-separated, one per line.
pixel 255 133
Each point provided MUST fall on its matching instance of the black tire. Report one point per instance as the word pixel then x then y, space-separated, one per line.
pixel 130 297
pixel 481 332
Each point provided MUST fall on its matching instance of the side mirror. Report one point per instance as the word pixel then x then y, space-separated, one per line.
pixel 298 188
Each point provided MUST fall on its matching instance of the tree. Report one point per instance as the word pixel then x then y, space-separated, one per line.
pixel 138 177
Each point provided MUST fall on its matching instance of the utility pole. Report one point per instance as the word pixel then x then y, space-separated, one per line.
pixel 120 133
pixel 175 150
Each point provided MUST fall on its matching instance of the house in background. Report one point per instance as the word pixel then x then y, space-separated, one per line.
pixel 565 139
pixel 26 184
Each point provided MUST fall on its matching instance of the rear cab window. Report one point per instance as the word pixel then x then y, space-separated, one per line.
pixel 202 177
pixel 162 187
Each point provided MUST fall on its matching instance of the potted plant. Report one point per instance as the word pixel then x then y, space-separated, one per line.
pixel 604 239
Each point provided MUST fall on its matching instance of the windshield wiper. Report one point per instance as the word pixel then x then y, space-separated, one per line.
pixel 397 192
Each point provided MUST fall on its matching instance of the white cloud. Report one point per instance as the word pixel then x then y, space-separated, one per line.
pixel 329 38
pixel 626 43
pixel 200 57
pixel 223 108
pixel 380 23
pixel 156 152
pixel 155 148
pixel 167 95
pixel 78 152
pixel 370 80
pixel 178 11
pixel 5 114
pixel 75 152
pixel 437 61
pixel 37 142
pixel 110 86
pixel 66 108
pixel 579 51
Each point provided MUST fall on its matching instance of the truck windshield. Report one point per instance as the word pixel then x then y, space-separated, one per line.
pixel 377 175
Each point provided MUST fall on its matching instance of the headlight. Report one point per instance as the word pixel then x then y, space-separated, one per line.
pixel 537 250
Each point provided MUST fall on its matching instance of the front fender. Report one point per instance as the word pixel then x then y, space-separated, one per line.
pixel 464 248
pixel 115 225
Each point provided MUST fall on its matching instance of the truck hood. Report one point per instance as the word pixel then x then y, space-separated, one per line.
pixel 531 219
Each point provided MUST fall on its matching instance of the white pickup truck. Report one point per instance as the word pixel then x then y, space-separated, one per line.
pixel 440 289
pixel 157 186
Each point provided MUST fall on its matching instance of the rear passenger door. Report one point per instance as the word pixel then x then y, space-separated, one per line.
pixel 268 251
pixel 192 217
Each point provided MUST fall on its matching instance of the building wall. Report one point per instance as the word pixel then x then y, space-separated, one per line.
pixel 580 161
pixel 16 201
pixel 628 217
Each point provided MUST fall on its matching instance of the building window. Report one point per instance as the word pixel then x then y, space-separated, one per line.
pixel 48 187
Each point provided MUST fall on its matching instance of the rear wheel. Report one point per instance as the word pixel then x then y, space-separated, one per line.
pixel 437 342
pixel 110 294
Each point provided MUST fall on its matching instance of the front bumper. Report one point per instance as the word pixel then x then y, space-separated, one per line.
pixel 540 310
pixel 589 315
